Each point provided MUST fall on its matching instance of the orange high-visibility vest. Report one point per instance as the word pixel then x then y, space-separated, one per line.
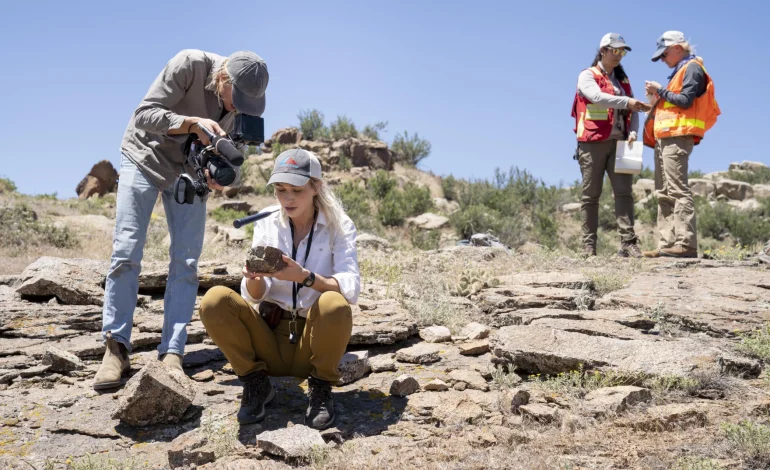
pixel 593 122
pixel 671 121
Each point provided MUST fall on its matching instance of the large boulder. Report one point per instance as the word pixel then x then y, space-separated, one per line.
pixel 286 136
pixel 72 281
pixel 762 191
pixel 369 153
pixel 702 187
pixel 428 221
pixel 735 190
pixel 157 394
pixel 102 179
pixel 747 165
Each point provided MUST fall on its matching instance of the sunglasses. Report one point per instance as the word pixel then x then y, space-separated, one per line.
pixel 618 51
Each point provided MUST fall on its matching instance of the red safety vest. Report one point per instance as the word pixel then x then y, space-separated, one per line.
pixel 593 122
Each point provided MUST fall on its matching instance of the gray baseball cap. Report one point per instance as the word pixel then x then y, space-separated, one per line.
pixel 669 38
pixel 613 40
pixel 295 167
pixel 248 72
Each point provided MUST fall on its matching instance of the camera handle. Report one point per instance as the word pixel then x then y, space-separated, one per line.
pixel 187 186
pixel 238 223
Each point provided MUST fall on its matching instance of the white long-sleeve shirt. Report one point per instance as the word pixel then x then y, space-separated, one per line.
pixel 589 89
pixel 331 255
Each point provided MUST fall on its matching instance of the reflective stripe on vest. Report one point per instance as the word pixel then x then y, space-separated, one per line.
pixel 666 124
pixel 595 112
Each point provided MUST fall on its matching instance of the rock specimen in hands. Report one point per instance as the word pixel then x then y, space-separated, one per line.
pixel 265 259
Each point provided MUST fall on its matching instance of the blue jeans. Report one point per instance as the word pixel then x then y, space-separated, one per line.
pixel 186 224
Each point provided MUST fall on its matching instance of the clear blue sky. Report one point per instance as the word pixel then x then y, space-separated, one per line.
pixel 490 84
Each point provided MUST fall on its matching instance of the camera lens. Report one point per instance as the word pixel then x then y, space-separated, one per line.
pixel 223 174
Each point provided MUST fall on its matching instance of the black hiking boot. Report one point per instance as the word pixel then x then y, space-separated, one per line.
pixel 257 392
pixel 320 409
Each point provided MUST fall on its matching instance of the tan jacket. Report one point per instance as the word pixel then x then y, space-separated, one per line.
pixel 185 88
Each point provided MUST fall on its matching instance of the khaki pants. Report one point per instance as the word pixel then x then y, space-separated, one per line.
pixel 676 210
pixel 595 158
pixel 250 345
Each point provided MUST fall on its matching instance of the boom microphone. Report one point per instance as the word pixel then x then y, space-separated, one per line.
pixel 224 146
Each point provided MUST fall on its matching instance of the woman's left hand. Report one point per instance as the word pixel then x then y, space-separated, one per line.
pixel 292 272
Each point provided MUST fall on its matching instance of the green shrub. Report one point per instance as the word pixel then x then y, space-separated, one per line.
pixel 510 229
pixel 311 123
pixel 343 128
pixel 22 229
pixel 7 186
pixel 417 199
pixel 757 343
pixel 381 184
pixel 372 131
pixel 695 174
pixel 746 227
pixel 425 239
pixel 649 213
pixel 355 200
pixel 226 216
pixel 749 440
pixel 277 149
pixel 411 149
pixel 345 162
pixel 450 186
pixel 392 209
pixel 758 176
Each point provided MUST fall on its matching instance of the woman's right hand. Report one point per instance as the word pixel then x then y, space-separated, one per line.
pixel 636 105
pixel 211 125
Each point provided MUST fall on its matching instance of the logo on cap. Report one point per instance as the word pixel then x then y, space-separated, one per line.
pixel 289 161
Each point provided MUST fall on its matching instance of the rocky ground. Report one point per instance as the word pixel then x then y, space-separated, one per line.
pixel 545 361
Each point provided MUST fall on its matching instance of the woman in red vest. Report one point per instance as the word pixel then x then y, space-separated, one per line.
pixel 605 111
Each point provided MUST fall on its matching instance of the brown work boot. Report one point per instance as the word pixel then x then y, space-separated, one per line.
pixel 629 249
pixel 115 364
pixel 172 360
pixel 679 251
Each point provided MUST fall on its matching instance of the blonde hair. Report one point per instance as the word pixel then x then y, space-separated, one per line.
pixel 688 48
pixel 327 202
pixel 221 77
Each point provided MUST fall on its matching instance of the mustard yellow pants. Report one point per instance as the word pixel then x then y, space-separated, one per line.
pixel 250 345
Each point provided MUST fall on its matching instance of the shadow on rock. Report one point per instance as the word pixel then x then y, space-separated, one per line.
pixel 163 432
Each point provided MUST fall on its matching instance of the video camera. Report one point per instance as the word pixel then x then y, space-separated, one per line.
pixel 220 158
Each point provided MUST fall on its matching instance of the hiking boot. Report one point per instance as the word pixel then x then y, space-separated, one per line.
pixel 679 251
pixel 115 365
pixel 172 360
pixel 257 392
pixel 320 409
pixel 589 251
pixel 629 249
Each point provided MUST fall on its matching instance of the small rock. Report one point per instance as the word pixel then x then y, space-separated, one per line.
pixel 213 392
pixel 265 259
pixel 475 348
pixel 515 399
pixel 190 449
pixel 382 363
pixel 571 207
pixel 404 385
pixel 460 386
pixel 419 354
pixel 295 442
pixel 471 377
pixel 203 376
pixel 353 366
pixel 366 240
pixel 436 334
pixel 540 413
pixel 676 416
pixel 157 394
pixel 475 330
pixel 436 385
pixel 11 422
pixel 613 400
pixel 62 361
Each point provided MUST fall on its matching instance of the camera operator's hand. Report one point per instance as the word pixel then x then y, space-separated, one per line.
pixel 209 124
pixel 213 184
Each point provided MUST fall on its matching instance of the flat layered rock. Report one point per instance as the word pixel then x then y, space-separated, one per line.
pixel 421 353
pixel 561 280
pixel 613 400
pixel 523 297
pixel 153 279
pixel 722 301
pixel 538 349
pixel 24 319
pixel 608 329
pixel 71 281
pixel 294 442
pixel 381 322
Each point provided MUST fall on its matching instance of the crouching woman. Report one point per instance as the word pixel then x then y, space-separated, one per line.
pixel 296 321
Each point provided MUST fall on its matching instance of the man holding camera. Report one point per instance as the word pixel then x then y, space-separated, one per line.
pixel 196 89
